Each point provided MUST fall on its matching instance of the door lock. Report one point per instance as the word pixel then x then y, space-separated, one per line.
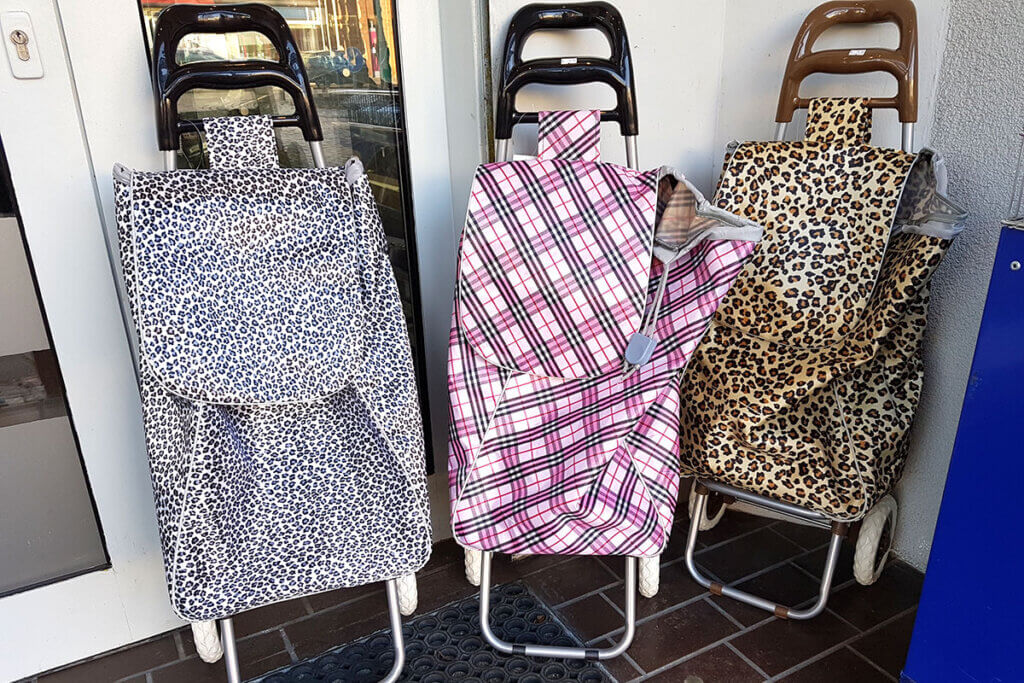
pixel 20 40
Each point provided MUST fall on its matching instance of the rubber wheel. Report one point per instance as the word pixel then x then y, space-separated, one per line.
pixel 874 542
pixel 408 595
pixel 649 575
pixel 207 638
pixel 473 560
pixel 715 506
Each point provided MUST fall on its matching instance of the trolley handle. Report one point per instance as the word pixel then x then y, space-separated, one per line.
pixel 616 71
pixel 171 80
pixel 901 62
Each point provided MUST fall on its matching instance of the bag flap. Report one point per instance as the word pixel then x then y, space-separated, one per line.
pixel 247 285
pixel 827 211
pixel 555 260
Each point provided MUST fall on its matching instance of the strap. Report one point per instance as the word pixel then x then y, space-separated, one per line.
pixel 241 142
pixel 839 121
pixel 569 135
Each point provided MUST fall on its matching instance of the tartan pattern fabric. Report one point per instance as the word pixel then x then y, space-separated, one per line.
pixel 553 448
pixel 572 135
pixel 541 288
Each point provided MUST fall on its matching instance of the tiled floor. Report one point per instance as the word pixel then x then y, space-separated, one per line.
pixel 683 632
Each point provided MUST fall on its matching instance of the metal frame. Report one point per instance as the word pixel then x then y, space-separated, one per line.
pixel 592 654
pixel 839 531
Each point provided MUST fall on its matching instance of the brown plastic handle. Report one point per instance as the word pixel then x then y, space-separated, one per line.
pixel 901 62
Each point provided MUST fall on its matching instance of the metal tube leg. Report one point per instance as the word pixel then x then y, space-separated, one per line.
pixel 396 632
pixel 501 150
pixel 227 637
pixel 550 650
pixel 831 560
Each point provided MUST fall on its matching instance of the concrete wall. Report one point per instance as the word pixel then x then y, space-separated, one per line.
pixel 979 110
pixel 710 73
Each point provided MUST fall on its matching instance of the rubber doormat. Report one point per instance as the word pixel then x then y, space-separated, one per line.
pixel 446 645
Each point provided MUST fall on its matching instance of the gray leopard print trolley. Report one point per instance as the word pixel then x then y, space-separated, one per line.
pixel 281 414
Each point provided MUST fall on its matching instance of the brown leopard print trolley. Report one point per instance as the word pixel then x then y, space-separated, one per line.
pixel 802 394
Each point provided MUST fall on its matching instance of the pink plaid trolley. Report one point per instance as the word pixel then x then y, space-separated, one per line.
pixel 583 288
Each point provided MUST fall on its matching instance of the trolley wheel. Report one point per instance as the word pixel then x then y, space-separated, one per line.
pixel 713 511
pixel 649 575
pixel 207 638
pixel 408 595
pixel 473 559
pixel 875 541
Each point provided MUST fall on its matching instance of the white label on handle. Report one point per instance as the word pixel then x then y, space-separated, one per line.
pixel 857 53
pixel 569 60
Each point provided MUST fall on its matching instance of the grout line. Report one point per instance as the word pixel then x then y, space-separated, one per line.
pixel 289 648
pixel 865 658
pixel 580 598
pixel 734 620
pixel 179 645
pixel 839 646
pixel 750 663
pixel 612 603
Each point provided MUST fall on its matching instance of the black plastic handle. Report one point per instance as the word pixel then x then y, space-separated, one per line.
pixel 616 71
pixel 171 80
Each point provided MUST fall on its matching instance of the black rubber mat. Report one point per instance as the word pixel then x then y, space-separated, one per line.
pixel 446 645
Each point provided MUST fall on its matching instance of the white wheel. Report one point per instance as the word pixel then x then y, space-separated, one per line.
pixel 207 638
pixel 707 522
pixel 408 595
pixel 473 560
pixel 649 575
pixel 875 541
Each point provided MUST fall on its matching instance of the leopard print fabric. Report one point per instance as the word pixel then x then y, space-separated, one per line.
pixel 839 121
pixel 280 410
pixel 805 387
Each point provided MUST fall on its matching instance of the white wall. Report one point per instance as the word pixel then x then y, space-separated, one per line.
pixel 710 73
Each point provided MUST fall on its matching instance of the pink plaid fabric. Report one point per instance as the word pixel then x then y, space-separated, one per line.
pixel 553 448
pixel 569 135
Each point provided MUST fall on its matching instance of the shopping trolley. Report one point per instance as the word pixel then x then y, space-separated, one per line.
pixel 244 144
pixel 803 393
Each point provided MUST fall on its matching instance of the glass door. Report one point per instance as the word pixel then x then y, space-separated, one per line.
pixel 48 525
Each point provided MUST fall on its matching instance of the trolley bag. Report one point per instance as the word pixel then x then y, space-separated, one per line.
pixel 804 389
pixel 280 410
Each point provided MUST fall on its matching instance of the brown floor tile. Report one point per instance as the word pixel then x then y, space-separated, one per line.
pixel 506 570
pixel 780 644
pixel 322 601
pixel 898 589
pixel 842 666
pixel 326 630
pixel 814 563
pixel 268 617
pixel 785 585
pixel 570 579
pixel 732 525
pixel 442 587
pixel 256 655
pixel 676 586
pixel 718 665
pixel 675 634
pixel 620 668
pixel 591 617
pixel 887 647
pixel 443 553
pixel 807 537
pixel 743 556
pixel 117 665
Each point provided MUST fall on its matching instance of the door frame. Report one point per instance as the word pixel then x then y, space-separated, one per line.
pixel 63 134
